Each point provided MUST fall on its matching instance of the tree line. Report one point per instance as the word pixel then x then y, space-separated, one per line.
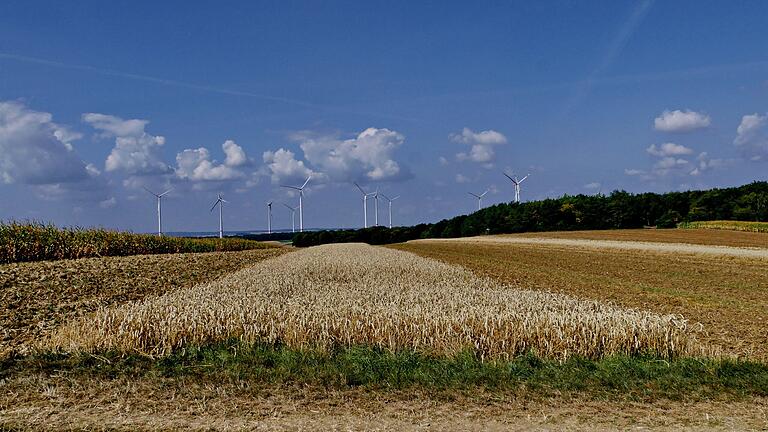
pixel 618 210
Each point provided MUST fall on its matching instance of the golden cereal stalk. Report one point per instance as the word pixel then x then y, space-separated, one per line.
pixel 351 294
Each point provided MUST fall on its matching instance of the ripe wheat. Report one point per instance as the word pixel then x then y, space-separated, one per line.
pixel 352 294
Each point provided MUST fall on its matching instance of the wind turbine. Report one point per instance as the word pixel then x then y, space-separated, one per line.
pixel 220 202
pixel 159 209
pixel 517 184
pixel 269 217
pixel 365 204
pixel 479 198
pixel 301 207
pixel 293 216
pixel 376 207
pixel 390 207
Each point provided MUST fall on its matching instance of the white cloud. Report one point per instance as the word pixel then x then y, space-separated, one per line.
pixel 36 151
pixel 668 163
pixel 283 167
pixel 367 157
pixel 704 163
pixel 461 178
pixel 136 152
pixel 668 149
pixel 633 172
pixel 681 121
pixel 235 154
pixel 752 137
pixel 442 161
pixel 108 203
pixel 197 165
pixel 482 143
pixel 592 186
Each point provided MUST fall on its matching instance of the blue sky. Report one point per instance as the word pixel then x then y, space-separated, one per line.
pixel 427 100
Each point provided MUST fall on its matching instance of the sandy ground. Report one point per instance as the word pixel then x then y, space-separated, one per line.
pixel 621 245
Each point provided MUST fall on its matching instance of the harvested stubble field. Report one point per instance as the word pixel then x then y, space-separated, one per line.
pixel 728 295
pixel 352 294
pixel 687 236
pixel 37 297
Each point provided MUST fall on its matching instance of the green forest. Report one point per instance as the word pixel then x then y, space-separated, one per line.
pixel 619 210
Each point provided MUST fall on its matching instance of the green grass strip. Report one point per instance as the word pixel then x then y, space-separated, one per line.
pixel 636 378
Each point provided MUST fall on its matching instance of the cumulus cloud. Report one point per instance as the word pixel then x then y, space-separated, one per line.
pixel 705 163
pixel 666 164
pixel 668 149
pixel 283 167
pixel 136 152
pixel 370 156
pixel 235 154
pixel 752 137
pixel 36 151
pixel 197 165
pixel 481 144
pixel 681 121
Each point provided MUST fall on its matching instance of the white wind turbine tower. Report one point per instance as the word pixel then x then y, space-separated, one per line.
pixel 220 202
pixel 376 207
pixel 269 217
pixel 479 198
pixel 517 185
pixel 390 207
pixel 293 216
pixel 365 204
pixel 301 207
pixel 159 209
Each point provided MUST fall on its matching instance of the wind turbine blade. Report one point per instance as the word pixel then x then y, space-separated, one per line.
pixel 510 178
pixel 476 196
pixel 165 192
pixel 305 183
pixel 361 189
pixel 395 198
pixel 386 197
pixel 290 187
pixel 223 200
pixel 521 180
pixel 214 205
pixel 483 194
pixel 289 207
pixel 152 192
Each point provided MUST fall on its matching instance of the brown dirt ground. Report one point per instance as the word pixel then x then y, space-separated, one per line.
pixel 728 295
pixel 58 402
pixel 36 297
pixel 692 236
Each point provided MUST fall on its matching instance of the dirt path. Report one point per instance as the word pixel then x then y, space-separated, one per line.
pixel 56 403
pixel 761 253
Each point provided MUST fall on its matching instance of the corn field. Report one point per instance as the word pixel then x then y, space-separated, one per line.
pixel 37 242
pixel 761 227
pixel 352 294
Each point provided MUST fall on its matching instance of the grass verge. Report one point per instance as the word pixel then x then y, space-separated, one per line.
pixel 642 378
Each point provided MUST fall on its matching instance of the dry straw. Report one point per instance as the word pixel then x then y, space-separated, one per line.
pixel 342 295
